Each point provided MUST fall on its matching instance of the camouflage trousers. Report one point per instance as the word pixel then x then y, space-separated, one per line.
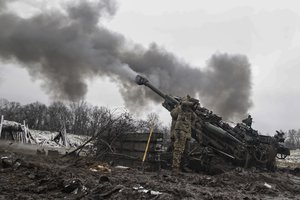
pixel 181 146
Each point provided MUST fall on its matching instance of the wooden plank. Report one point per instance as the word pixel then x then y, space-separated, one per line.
pixel 13 137
pixel 138 155
pixel 64 136
pixel 135 150
pixel 141 137
pixel 134 146
pixel 24 134
pixel 19 136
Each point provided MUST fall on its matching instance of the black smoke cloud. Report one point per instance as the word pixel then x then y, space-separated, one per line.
pixel 2 4
pixel 224 85
pixel 66 48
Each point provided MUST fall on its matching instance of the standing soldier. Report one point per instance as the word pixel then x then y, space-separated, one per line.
pixel 181 129
pixel 248 121
pixel 174 115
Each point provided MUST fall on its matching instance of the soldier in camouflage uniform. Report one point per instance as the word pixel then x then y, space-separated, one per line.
pixel 248 121
pixel 181 129
pixel 174 115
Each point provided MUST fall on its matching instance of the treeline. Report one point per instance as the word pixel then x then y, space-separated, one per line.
pixel 77 117
pixel 292 140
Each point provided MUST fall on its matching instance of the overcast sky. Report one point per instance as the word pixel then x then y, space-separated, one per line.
pixel 267 32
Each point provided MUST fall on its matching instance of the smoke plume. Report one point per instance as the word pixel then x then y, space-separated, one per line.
pixel 65 48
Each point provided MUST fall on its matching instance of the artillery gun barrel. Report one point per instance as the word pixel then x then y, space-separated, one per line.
pixel 140 80
pixel 220 132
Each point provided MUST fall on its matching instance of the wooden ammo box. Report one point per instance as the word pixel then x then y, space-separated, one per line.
pixel 130 150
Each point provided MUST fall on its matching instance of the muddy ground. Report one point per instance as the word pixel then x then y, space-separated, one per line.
pixel 41 177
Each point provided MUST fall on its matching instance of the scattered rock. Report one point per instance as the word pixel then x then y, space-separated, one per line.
pixel 72 185
pixel 17 164
pixel 31 176
pixel 6 162
pixel 103 179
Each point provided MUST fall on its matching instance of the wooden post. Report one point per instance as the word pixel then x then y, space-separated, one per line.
pixel 27 134
pixel 64 136
pixel 12 135
pixel 24 132
pixel 147 146
pixel 25 139
pixel 1 123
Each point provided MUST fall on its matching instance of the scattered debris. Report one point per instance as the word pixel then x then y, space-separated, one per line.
pixel 17 164
pixel 14 131
pixel 6 162
pixel 54 139
pixel 61 138
pixel 268 185
pixel 105 191
pixel 74 186
pixel 142 189
pixel 121 167
pixel 100 168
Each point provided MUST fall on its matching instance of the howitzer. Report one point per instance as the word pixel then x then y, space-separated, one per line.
pixel 170 102
pixel 241 145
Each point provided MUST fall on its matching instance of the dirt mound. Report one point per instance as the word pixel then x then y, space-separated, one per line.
pixel 40 177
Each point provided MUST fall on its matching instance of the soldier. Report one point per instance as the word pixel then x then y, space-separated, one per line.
pixel 174 115
pixel 248 121
pixel 181 129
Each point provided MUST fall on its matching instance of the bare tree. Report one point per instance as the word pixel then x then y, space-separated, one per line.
pixel 81 117
pixel 123 124
pixel 35 115
pixel 292 139
pixel 98 118
pixel 142 126
pixel 12 111
pixel 3 103
pixel 58 116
